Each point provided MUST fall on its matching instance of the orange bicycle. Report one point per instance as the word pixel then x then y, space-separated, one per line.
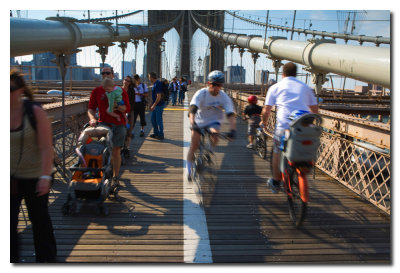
pixel 298 151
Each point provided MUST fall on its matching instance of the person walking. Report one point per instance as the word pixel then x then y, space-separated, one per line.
pixel 98 100
pixel 31 165
pixel 173 90
pixel 157 107
pixel 140 104
pixel 181 90
pixel 130 86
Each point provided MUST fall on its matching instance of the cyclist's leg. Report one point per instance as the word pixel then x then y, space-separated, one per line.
pixel 194 145
pixel 274 182
pixel 251 131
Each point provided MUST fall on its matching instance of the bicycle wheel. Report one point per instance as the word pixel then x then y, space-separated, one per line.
pixel 297 207
pixel 261 146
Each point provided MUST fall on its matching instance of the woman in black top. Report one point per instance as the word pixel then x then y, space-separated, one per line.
pixel 130 86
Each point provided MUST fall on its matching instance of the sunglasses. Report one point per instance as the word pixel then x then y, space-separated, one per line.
pixel 106 73
pixel 216 84
pixel 13 88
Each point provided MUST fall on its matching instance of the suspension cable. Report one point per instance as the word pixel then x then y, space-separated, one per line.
pixel 360 38
pixel 102 19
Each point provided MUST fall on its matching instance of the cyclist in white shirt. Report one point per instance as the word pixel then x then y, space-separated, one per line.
pixel 206 111
pixel 288 95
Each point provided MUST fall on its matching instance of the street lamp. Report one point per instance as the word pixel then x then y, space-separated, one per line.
pixel 199 61
pixel 162 49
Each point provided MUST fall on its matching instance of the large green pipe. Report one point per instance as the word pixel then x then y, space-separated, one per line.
pixel 363 63
pixel 64 35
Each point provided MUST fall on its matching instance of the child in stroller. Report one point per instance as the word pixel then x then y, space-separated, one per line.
pixel 92 174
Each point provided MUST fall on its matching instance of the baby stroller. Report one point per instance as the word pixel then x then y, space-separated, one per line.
pixel 92 174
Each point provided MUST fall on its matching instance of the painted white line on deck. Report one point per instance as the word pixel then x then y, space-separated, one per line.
pixel 196 241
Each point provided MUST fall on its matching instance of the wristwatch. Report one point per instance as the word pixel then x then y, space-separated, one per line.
pixel 46 177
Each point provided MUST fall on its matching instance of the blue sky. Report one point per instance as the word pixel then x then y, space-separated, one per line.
pixel 371 23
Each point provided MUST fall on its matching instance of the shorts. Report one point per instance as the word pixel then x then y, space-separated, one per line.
pixel 119 134
pixel 277 140
pixel 251 129
pixel 215 125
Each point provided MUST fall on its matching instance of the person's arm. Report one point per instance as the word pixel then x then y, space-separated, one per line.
pixel 230 113
pixel 265 115
pixel 192 112
pixel 232 121
pixel 158 98
pixel 45 143
pixel 92 109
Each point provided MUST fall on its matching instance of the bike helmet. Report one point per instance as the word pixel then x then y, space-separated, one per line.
pixel 252 99
pixel 216 76
pixel 297 113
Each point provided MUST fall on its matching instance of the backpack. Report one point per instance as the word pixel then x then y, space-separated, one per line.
pixel 165 92
pixel 28 110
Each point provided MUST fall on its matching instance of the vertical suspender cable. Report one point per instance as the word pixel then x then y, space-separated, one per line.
pixel 294 19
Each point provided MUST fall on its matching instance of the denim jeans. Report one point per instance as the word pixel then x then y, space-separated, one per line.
pixel 181 97
pixel 157 121
pixel 173 96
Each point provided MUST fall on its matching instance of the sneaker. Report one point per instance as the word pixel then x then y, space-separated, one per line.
pixel 114 182
pixel 160 137
pixel 141 134
pixel 153 136
pixel 274 185
pixel 250 146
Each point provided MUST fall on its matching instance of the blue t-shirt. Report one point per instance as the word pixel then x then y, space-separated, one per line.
pixel 157 88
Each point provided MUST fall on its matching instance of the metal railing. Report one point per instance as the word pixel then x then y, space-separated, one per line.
pixel 365 169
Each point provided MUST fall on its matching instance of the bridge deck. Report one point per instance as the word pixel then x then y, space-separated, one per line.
pixel 157 219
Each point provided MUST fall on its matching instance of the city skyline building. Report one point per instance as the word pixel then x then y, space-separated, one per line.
pixel 236 74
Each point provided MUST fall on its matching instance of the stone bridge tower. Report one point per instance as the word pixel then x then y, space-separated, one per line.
pixel 185 28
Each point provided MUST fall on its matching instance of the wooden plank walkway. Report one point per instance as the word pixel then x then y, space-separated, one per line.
pixel 245 222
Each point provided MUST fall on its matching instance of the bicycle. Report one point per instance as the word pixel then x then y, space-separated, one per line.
pixel 204 159
pixel 261 143
pixel 297 158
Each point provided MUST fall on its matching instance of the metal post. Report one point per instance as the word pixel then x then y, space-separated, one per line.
pixel 241 51
pixel 123 46
pixel 254 56
pixel 136 43
pixel 116 23
pixel 103 50
pixel 62 61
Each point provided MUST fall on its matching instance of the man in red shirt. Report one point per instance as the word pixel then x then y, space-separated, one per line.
pixel 98 100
